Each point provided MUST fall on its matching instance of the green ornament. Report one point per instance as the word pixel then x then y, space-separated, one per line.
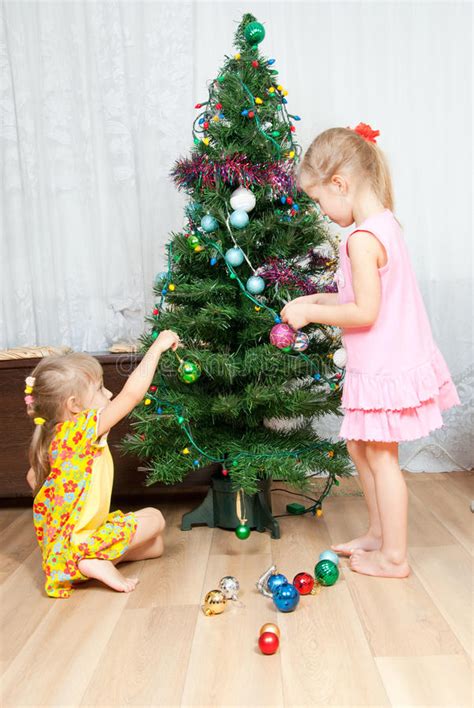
pixel 189 371
pixel 233 276
pixel 193 241
pixel 276 133
pixel 221 79
pixel 196 141
pixel 154 335
pixel 326 572
pixel 242 531
pixel 274 72
pixel 180 419
pixel 254 33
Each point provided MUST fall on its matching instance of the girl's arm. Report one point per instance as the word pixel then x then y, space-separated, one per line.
pixel 137 383
pixel 317 299
pixel 363 253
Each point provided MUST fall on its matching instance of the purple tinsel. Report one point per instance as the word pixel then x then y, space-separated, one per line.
pixel 277 271
pixel 234 170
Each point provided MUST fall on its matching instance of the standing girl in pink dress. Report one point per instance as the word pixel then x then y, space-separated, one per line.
pixel 397 382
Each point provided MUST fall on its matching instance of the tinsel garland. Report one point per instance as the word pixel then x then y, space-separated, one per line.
pixel 235 170
pixel 279 271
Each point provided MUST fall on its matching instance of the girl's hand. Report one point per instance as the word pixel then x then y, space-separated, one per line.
pixel 295 314
pixel 167 340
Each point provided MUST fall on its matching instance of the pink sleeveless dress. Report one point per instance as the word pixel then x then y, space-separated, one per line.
pixel 397 382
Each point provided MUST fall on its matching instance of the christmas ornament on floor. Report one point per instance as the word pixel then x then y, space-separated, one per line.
pixel 268 643
pixel 262 582
pixel 274 582
pixel 230 587
pixel 326 572
pixel 304 583
pixel 329 555
pixel 214 603
pixel 270 627
pixel 286 597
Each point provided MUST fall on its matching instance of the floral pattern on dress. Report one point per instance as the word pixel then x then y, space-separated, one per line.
pixel 57 506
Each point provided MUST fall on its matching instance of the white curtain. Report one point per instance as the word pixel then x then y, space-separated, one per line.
pixel 96 102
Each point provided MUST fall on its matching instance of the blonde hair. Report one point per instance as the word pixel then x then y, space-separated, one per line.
pixel 56 378
pixel 339 148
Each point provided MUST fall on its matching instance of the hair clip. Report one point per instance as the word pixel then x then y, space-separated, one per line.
pixel 39 421
pixel 30 382
pixel 29 400
pixel 366 132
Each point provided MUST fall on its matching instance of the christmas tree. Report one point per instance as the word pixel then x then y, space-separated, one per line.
pixel 245 390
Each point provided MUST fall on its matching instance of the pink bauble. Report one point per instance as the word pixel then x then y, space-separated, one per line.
pixel 282 336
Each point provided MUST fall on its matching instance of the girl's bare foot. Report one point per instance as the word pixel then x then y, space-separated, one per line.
pixel 378 564
pixel 107 573
pixel 368 542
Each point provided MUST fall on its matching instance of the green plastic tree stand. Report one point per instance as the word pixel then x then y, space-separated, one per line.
pixel 219 508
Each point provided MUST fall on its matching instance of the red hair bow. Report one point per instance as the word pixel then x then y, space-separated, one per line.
pixel 366 132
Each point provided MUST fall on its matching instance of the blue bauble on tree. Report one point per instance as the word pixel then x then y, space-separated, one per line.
pixel 234 257
pixel 209 223
pixel 239 219
pixel 255 285
pixel 286 597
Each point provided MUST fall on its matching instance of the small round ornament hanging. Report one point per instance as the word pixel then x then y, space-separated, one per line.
pixel 214 603
pixel 286 598
pixel 255 285
pixel 189 371
pixel 326 572
pixel 242 531
pixel 282 336
pixel 340 358
pixel 239 219
pixel 209 223
pixel 234 257
pixel 254 33
pixel 300 342
pixel 229 586
pixel 193 241
pixel 242 198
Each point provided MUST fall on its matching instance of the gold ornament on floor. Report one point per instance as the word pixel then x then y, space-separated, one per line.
pixel 214 603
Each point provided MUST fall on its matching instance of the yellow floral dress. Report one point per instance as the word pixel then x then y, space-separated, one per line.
pixel 71 510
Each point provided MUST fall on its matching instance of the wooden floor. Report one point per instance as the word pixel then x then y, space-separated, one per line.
pixel 363 642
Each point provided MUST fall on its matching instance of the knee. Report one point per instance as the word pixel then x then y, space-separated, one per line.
pixel 157 519
pixel 379 454
pixel 356 450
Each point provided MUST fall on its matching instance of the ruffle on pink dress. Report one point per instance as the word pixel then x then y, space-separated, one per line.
pixel 397 382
